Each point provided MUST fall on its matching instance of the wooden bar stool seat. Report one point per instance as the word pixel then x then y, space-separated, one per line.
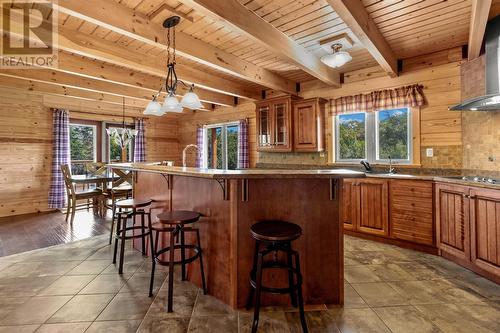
pixel 174 222
pixel 130 208
pixel 274 236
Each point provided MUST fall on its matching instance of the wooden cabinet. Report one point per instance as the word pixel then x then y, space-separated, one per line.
pixel 452 219
pixel 274 125
pixel 411 211
pixel 468 223
pixel 485 229
pixel 365 206
pixel 308 125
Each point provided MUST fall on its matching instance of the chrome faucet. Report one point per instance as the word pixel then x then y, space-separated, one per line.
pixel 184 153
pixel 391 169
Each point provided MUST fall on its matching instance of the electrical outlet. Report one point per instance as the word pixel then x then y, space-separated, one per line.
pixel 429 152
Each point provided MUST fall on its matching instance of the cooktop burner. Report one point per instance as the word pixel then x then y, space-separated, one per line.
pixel 477 179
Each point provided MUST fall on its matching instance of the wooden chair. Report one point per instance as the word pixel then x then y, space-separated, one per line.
pixel 74 196
pixel 120 189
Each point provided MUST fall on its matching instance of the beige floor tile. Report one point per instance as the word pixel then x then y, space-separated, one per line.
pixel 139 282
pixel 39 309
pixel 127 306
pixel 271 322
pixel 64 328
pixel 391 272
pixel 19 329
pixel 183 304
pixel 463 318
pixel 352 298
pixel 207 305
pixel 162 325
pixel 34 269
pixel 67 285
pixel 317 322
pixel 480 285
pixel 357 274
pixel 25 286
pixel 118 326
pixel 358 321
pixel 90 267
pixel 82 308
pixel 405 319
pixel 131 264
pixel 379 294
pixel 214 324
pixel 106 284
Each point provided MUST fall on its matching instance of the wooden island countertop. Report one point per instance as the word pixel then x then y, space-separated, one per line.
pixel 230 201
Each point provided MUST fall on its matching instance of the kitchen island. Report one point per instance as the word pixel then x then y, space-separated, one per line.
pixel 232 200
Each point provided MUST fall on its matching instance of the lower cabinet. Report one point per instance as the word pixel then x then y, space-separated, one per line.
pixel 468 220
pixel 365 206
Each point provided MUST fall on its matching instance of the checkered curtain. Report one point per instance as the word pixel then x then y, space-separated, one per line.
pixel 409 96
pixel 243 154
pixel 199 143
pixel 140 141
pixel 60 155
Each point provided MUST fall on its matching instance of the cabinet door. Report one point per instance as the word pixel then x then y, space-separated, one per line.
pixel 452 220
pixel 306 121
pixel 374 211
pixel 411 211
pixel 264 126
pixel 485 229
pixel 350 203
pixel 281 125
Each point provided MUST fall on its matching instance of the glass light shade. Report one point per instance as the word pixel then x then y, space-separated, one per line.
pixel 153 108
pixel 170 104
pixel 191 101
pixel 336 59
pixel 179 109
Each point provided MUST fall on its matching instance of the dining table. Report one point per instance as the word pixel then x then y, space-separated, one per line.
pixel 102 180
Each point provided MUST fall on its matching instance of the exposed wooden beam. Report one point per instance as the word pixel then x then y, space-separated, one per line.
pixel 88 46
pixel 479 18
pixel 235 15
pixel 354 14
pixel 65 79
pixel 130 23
pixel 166 7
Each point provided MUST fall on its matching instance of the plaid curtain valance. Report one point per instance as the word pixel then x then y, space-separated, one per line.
pixel 408 96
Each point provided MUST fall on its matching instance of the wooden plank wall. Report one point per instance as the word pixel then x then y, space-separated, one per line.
pixel 26 144
pixel 441 129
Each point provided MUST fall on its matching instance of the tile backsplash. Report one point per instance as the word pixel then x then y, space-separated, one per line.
pixel 481 140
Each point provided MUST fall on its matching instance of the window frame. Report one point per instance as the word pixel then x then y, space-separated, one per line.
pixel 372 138
pixel 223 127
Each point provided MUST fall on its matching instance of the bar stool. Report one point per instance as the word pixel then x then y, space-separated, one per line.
pixel 273 237
pixel 175 223
pixel 130 208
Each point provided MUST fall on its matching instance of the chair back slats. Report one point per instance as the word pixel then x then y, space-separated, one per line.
pixel 95 168
pixel 70 187
pixel 125 177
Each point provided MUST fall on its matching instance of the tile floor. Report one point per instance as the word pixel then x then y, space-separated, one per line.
pixel 75 288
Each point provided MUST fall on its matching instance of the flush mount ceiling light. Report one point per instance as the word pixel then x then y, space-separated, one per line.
pixel 171 104
pixel 338 58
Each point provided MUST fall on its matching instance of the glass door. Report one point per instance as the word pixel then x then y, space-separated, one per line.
pixel 221 146
pixel 264 126
pixel 280 124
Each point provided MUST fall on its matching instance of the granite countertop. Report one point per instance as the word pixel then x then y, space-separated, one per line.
pixel 444 179
pixel 238 174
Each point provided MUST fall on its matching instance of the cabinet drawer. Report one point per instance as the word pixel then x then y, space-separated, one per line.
pixel 412 205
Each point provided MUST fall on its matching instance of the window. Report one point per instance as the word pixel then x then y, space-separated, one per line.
pixel 375 136
pixel 113 149
pixel 220 149
pixel 83 146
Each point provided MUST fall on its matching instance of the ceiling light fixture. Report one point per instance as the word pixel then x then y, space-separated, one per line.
pixel 124 135
pixel 171 104
pixel 338 58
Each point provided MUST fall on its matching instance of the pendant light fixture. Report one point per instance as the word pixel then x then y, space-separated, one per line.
pixel 338 58
pixel 171 104
pixel 124 135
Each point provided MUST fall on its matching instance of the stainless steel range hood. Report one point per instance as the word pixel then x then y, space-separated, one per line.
pixel 491 101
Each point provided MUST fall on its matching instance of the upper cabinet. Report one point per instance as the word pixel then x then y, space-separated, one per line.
pixel 308 125
pixel 286 123
pixel 274 123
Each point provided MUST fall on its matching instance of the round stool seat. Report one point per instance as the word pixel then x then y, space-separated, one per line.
pixel 275 231
pixel 133 203
pixel 178 217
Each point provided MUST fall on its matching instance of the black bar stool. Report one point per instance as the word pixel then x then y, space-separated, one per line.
pixel 130 208
pixel 175 223
pixel 274 237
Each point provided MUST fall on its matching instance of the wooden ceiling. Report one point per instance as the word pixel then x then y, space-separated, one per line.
pixel 237 48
